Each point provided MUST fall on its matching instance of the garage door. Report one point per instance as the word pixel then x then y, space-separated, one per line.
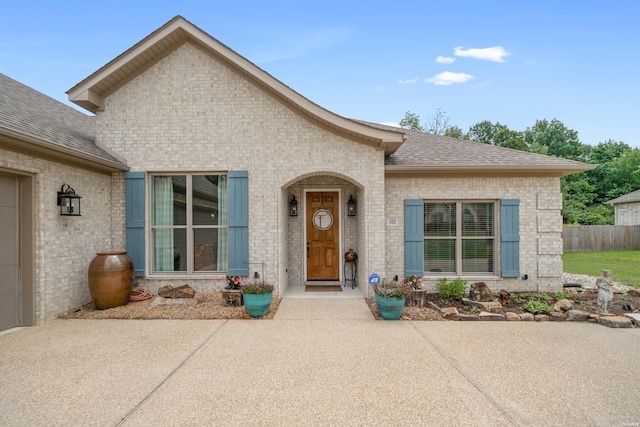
pixel 9 286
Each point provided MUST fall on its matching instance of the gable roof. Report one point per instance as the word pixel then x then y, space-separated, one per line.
pixel 427 153
pixel 92 91
pixel 31 120
pixel 632 197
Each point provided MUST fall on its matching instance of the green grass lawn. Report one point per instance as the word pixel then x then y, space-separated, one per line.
pixel 625 265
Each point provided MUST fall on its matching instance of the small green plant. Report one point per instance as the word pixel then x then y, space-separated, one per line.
pixel 540 297
pixel 562 295
pixel 537 307
pixel 454 289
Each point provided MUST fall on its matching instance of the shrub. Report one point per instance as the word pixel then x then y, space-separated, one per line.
pixel 454 289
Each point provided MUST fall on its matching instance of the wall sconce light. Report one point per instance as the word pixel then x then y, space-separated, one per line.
pixel 293 207
pixel 68 201
pixel 351 206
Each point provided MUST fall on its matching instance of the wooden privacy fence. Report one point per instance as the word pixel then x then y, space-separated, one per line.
pixel 590 238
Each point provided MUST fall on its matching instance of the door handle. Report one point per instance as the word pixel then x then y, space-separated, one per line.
pixel 308 249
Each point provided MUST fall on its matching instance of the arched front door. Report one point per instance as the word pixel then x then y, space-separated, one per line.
pixel 323 235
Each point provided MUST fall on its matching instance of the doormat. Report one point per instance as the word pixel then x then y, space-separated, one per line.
pixel 323 288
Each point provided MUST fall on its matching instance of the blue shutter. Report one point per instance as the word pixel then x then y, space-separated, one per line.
pixel 134 219
pixel 238 223
pixel 510 237
pixel 413 237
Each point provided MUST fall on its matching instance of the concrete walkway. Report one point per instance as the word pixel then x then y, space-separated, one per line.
pixel 319 362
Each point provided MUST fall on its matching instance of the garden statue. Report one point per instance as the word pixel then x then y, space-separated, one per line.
pixel 605 291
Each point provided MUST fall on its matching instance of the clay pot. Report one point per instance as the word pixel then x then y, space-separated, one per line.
pixel 351 255
pixel 111 276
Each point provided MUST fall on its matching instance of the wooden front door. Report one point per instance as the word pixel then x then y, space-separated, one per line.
pixel 323 237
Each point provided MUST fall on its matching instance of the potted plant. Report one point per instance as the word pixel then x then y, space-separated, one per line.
pixel 257 298
pixel 232 293
pixel 418 294
pixel 391 297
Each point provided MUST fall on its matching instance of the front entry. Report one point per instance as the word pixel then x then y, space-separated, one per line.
pixel 323 236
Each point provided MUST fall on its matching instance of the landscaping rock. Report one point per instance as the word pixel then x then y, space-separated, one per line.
pixel 577 316
pixel 563 305
pixel 541 317
pixel 615 322
pixel 503 296
pixel 635 318
pixel 480 292
pixel 512 317
pixel 184 291
pixel 468 317
pixel 526 317
pixel 432 306
pixel 593 318
pixel 482 305
pixel 450 313
pixel 634 292
pixel 484 315
pixel 556 316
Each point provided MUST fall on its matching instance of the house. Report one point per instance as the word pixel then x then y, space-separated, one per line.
pixel 195 157
pixel 627 208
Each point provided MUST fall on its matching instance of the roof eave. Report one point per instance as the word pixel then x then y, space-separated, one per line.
pixel 18 140
pixel 490 170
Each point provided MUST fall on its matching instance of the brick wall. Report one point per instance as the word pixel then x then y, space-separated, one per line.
pixel 190 113
pixel 64 246
pixel 540 223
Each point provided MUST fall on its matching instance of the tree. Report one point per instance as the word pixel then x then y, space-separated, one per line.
pixel 439 123
pixel 560 140
pixel 454 132
pixel 411 121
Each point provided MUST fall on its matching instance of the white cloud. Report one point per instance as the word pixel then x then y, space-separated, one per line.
pixel 445 60
pixel 408 82
pixel 447 78
pixel 495 54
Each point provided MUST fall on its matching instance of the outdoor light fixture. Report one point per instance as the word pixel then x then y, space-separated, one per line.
pixel 68 201
pixel 293 207
pixel 351 206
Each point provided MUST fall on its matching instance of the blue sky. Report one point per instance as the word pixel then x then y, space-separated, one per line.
pixel 508 61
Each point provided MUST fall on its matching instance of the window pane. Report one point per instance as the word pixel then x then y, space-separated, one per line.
pixel 169 200
pixel 169 249
pixel 207 253
pixel 477 219
pixel 439 219
pixel 440 256
pixel 477 256
pixel 209 195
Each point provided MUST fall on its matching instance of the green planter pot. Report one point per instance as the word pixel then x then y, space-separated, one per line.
pixel 390 308
pixel 257 305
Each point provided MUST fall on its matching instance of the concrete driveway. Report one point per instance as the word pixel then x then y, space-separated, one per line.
pixel 318 362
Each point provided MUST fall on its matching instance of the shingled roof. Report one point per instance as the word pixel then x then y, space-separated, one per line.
pixel 30 120
pixel 632 197
pixel 423 152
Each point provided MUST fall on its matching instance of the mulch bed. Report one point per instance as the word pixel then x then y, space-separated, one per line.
pixel 585 301
pixel 202 306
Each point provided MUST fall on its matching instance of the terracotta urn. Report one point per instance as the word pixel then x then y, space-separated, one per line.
pixel 111 275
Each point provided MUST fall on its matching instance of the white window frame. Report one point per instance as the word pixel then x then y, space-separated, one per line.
pixel 188 227
pixel 459 239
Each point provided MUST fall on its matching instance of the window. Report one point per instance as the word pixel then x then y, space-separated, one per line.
pixel 189 223
pixel 459 237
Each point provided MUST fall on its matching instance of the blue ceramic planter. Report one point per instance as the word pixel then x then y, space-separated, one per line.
pixel 257 305
pixel 390 308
